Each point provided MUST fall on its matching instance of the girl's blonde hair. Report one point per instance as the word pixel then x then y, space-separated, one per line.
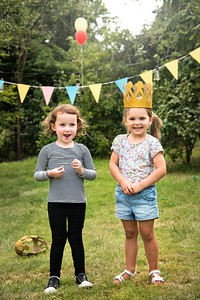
pixel 156 124
pixel 68 109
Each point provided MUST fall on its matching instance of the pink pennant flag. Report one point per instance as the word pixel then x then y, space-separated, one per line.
pixel 47 92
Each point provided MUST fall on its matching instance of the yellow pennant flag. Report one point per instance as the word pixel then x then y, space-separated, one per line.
pixel 147 76
pixel 196 54
pixel 96 89
pixel 23 90
pixel 173 67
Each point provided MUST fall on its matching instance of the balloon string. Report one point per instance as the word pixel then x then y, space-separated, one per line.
pixel 82 66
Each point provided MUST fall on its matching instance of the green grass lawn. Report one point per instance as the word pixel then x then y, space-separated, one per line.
pixel 23 212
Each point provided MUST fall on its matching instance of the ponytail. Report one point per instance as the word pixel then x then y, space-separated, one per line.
pixel 156 126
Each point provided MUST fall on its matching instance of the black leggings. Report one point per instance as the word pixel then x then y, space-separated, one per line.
pixel 66 222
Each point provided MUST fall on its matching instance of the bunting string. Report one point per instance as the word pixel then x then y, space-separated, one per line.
pixel 95 89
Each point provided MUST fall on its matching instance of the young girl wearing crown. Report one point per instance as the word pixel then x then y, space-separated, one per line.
pixel 137 163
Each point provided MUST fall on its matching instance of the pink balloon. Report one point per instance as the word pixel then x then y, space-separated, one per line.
pixel 81 37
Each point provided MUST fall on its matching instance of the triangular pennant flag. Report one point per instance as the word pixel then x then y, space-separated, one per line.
pixel 47 92
pixel 72 91
pixel 196 54
pixel 121 84
pixel 173 67
pixel 147 76
pixel 23 90
pixel 1 84
pixel 96 89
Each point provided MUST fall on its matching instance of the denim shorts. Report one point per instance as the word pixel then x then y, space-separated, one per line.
pixel 141 206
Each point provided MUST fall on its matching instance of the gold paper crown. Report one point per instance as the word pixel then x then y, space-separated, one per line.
pixel 138 95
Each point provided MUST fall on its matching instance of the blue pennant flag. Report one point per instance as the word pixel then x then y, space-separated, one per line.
pixel 72 91
pixel 121 84
pixel 1 84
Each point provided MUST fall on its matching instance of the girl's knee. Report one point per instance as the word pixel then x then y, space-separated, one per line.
pixel 148 237
pixel 131 234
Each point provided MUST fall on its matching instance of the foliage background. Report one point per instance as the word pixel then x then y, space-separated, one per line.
pixel 37 47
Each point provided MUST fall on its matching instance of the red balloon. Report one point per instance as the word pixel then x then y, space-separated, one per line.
pixel 81 37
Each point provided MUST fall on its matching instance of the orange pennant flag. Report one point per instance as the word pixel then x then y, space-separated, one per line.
pixel 147 76
pixel 23 90
pixel 196 54
pixel 173 68
pixel 96 89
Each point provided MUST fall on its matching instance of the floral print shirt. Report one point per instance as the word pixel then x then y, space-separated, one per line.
pixel 136 160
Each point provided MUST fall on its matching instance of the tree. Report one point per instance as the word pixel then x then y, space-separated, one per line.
pixel 21 22
pixel 33 49
pixel 37 47
pixel 174 33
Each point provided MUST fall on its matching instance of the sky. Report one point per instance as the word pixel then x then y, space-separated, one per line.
pixel 133 14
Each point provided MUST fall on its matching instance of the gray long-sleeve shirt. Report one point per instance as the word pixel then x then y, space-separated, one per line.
pixel 70 187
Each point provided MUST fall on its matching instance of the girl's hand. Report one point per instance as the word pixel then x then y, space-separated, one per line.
pixel 136 187
pixel 76 164
pixel 56 172
pixel 126 186
pixel 130 188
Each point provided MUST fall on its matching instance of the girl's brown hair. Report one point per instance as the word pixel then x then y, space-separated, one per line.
pixel 156 124
pixel 68 109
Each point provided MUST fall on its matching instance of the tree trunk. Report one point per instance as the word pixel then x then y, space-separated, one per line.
pixel 20 152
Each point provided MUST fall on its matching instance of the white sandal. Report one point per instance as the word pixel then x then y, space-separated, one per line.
pixel 155 277
pixel 121 278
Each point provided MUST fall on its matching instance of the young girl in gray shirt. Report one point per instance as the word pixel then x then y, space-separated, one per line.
pixel 65 164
